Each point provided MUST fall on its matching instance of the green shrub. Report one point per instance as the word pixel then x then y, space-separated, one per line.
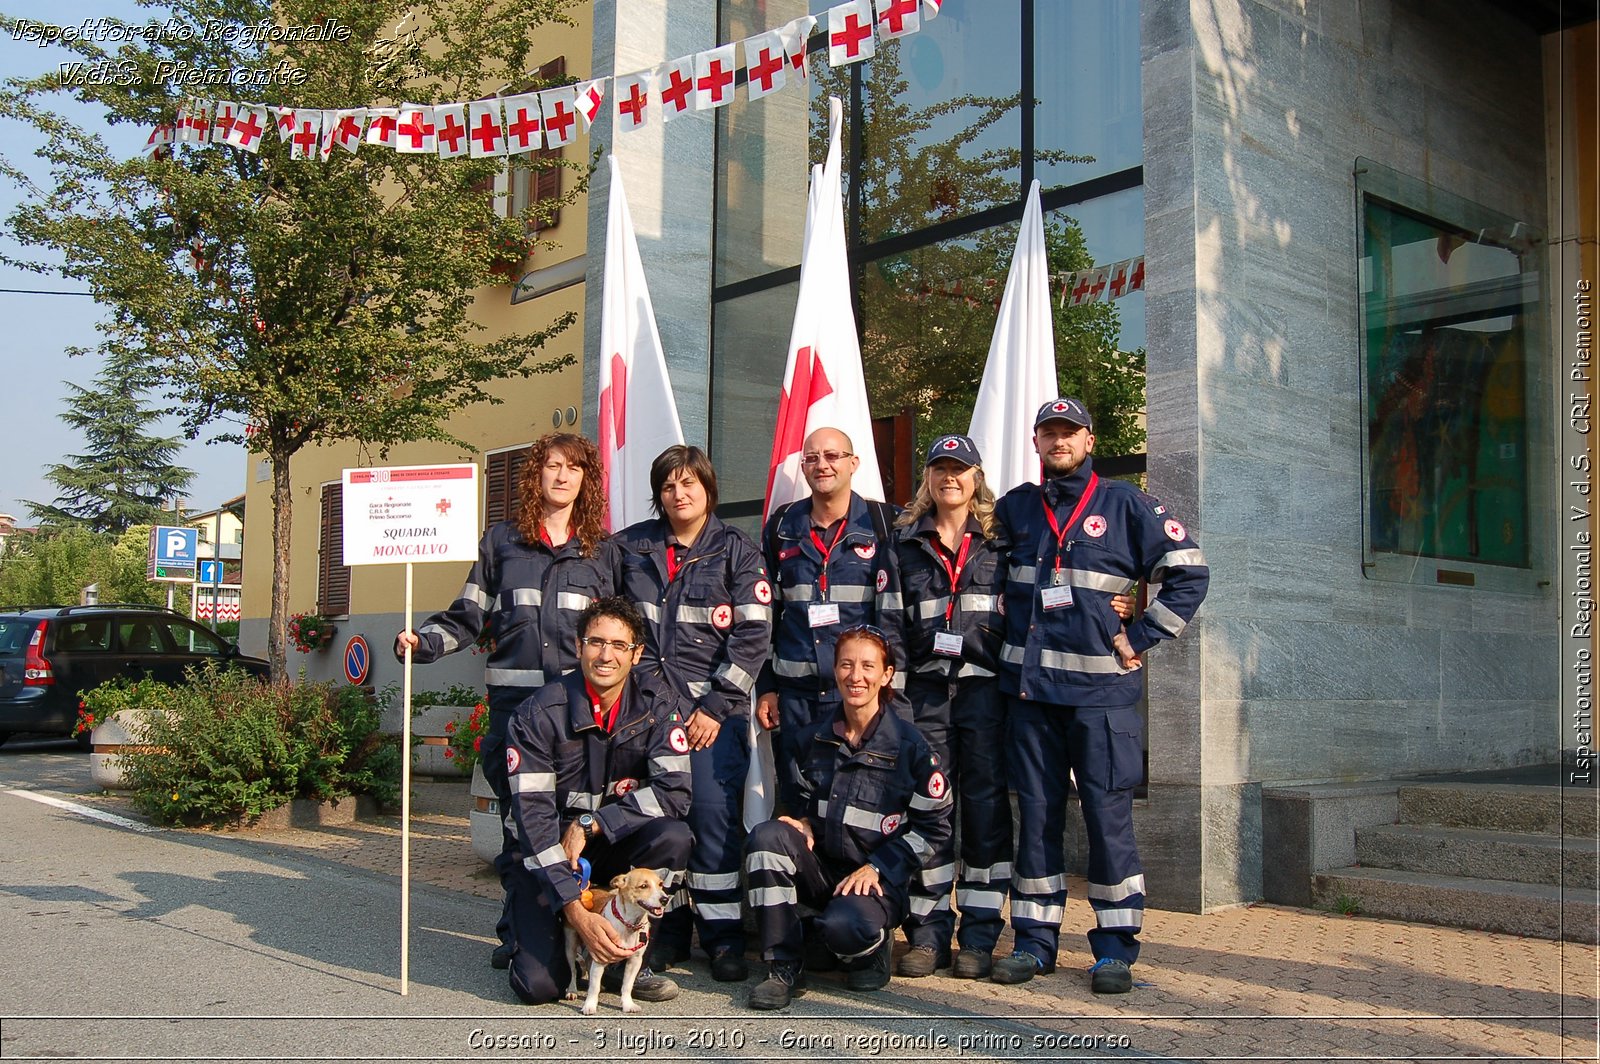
pixel 224 747
pixel 455 695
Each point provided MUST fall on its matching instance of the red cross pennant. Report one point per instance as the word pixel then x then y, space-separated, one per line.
pixel 452 135
pixel 766 73
pixel 383 127
pixel 1119 280
pixel 558 122
pixel 1080 294
pixel 285 123
pixel 1136 278
pixel 222 123
pixel 675 94
pixel 347 133
pixel 591 94
pixel 899 17
pixel 306 137
pixel 849 34
pixel 523 123
pixel 1099 285
pixel 485 135
pixel 415 128
pixel 632 106
pixel 714 77
pixel 247 130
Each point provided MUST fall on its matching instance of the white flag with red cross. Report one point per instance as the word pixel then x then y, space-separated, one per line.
pixel 675 79
pixel 1020 374
pixel 382 126
pixel 766 63
pixel 284 117
pixel 796 38
pixel 1136 275
pixel 223 115
pixel 638 415
pixel 450 129
pixel 850 37
pixel 897 18
pixel 560 107
pixel 306 139
pixel 714 72
pixel 416 134
pixel 250 123
pixel 325 138
pixel 823 382
pixel 194 122
pixel 348 125
pixel 591 95
pixel 1117 279
pixel 486 134
pixel 930 9
pixel 633 99
pixel 161 136
pixel 524 124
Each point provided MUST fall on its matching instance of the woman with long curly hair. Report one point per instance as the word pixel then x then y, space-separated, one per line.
pixel 533 577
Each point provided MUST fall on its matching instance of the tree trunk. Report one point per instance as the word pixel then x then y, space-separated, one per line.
pixel 282 511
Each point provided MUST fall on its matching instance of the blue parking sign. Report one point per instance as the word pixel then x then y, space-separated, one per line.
pixel 176 547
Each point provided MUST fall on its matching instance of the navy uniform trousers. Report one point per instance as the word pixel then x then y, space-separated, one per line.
pixel 785 874
pixel 1104 748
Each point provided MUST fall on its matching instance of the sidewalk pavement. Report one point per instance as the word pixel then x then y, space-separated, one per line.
pixel 1259 982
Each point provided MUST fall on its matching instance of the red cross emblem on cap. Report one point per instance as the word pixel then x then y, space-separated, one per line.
pixel 951 444
pixel 1058 407
pixel 1094 525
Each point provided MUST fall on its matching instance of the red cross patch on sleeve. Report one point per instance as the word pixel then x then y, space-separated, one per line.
pixel 763 592
pixel 883 579
pixel 891 823
pixel 513 759
pixel 936 785
pixel 722 617
pixel 866 551
pixel 1174 530
pixel 678 739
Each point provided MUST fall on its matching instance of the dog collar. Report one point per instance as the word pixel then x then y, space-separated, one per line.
pixel 616 912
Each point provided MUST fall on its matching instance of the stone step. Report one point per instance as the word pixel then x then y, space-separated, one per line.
pixel 1536 910
pixel 1474 853
pixel 1501 807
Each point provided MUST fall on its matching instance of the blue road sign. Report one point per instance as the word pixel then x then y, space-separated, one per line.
pixel 357 660
pixel 210 572
pixel 176 547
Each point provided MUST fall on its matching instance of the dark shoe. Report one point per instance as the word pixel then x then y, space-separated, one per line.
pixel 1110 976
pixel 728 965
pixel 920 961
pixel 648 986
pixel 785 981
pixel 500 959
pixel 872 971
pixel 819 958
pixel 660 955
pixel 1018 968
pixel 973 964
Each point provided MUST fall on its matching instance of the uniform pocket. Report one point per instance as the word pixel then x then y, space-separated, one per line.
pixel 1125 743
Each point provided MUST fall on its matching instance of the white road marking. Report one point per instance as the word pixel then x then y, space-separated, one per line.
pixel 83 810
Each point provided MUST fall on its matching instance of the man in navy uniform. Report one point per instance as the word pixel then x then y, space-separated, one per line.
pixel 1069 669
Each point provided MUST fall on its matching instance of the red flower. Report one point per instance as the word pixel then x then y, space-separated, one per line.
pixel 477 745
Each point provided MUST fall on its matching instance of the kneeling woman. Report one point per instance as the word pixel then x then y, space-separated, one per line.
pixel 875 807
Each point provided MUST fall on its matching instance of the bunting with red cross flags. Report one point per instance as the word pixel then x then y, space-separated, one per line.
pixel 898 18
pixel 248 126
pixel 560 107
pixel 524 124
pixel 1136 275
pixel 222 119
pixel 348 125
pixel 766 63
pixel 284 117
pixel 486 134
pixel 1103 282
pixel 416 134
pixel 591 96
pixel 1117 279
pixel 160 137
pixel 306 139
pixel 382 122
pixel 675 79
pixel 714 73
pixel 450 129
pixel 930 8
pixel 850 38
pixel 796 36
pixel 633 99
pixel 194 122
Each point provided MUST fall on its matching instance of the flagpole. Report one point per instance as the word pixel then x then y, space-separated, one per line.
pixel 405 808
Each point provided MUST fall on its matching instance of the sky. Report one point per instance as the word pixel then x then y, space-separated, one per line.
pixel 37 330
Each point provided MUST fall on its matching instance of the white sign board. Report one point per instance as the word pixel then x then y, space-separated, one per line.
pixel 397 514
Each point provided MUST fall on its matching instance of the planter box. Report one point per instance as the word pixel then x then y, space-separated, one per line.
pixel 304 813
pixel 427 757
pixel 485 818
pixel 106 742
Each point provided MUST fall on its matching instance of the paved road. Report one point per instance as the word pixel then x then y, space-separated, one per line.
pixel 119 941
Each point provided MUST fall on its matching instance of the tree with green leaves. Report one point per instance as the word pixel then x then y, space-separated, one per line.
pixel 299 302
pixel 53 567
pixel 126 475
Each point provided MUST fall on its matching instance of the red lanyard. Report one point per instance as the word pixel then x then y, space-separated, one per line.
pixel 600 718
pixel 672 562
pixel 826 551
pixel 954 571
pixel 1077 511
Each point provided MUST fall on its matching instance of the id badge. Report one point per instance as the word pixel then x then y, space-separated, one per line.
pixel 823 614
pixel 1056 596
pixel 947 644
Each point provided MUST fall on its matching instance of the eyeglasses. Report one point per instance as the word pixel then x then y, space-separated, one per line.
pixel 865 629
pixel 617 646
pixel 831 457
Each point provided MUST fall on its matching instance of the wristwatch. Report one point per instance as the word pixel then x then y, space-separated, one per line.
pixel 588 824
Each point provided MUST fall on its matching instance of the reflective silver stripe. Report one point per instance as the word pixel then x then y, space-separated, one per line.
pixel 922 905
pixel 525 596
pixel 980 899
pixel 785 667
pixel 476 595
pixel 753 611
pixel 1117 917
pixel 736 676
pixel 761 897
pixel 857 817
pixel 1039 914
pixel 1011 654
pixel 1041 885
pixel 649 804
pixel 533 782
pixel 718 911
pixel 928 609
pixel 1117 891
pixel 670 763
pixel 678 900
pixel 891 601
pixel 514 677
pixel 969 669
pixel 799 593
pixel 853 956
pixel 919 845
pixel 675 881
pixel 650 610
pixel 1165 619
pixel 1000 870
pixel 551 856
pixel 851 592
pixel 767 861
pixel 1111 582
pixel 713 881
pixel 822 808
pixel 695 614
pixel 1023 574
pixel 583 800
pixel 919 801
pixel 571 600
pixel 897 682
pixel 449 640
pixel 698 688
pixel 978 603
pixel 942 876
pixel 931 665
pixel 1056 659
pixel 1175 559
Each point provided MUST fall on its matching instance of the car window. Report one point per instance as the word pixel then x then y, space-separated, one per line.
pixel 138 636
pixel 15 633
pixel 192 639
pixel 89 634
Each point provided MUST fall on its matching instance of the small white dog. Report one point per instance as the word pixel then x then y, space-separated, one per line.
pixel 633 900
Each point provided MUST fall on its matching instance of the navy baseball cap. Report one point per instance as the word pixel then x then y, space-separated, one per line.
pixel 1071 410
pixel 956 446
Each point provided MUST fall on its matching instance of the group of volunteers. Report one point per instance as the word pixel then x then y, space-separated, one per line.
pixel 914 666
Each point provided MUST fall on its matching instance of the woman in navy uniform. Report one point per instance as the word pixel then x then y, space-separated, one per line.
pixel 534 576
pixel 703 591
pixel 872 807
